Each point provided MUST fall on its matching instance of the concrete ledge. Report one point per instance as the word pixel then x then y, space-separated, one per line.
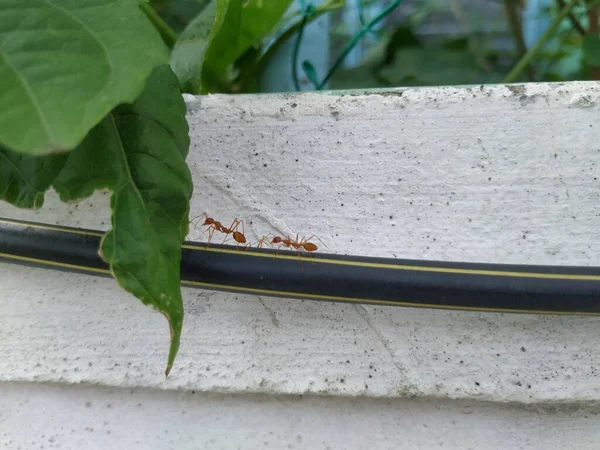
pixel 98 417
pixel 502 173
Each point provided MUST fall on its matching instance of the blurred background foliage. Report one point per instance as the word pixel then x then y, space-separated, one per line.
pixel 243 46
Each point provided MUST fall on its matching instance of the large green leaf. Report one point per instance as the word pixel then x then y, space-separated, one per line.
pixel 207 47
pixel 24 179
pixel 64 64
pixel 138 151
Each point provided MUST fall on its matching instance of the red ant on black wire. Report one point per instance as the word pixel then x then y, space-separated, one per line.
pixel 239 237
pixel 214 225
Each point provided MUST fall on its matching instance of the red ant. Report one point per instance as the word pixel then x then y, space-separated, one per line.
pixel 304 244
pixel 213 225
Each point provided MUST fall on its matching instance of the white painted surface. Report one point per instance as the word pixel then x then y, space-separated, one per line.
pixel 99 418
pixel 478 174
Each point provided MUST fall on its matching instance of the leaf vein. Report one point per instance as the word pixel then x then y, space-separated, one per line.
pixel 30 96
pixel 23 177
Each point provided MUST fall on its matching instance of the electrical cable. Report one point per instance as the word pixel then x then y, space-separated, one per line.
pixel 328 277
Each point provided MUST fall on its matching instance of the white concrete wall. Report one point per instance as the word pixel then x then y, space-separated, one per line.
pixel 501 174
pixel 93 417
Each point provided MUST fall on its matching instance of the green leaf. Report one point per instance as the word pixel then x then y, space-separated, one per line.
pixel 187 58
pixel 259 18
pixel 64 64
pixel 178 13
pixel 24 179
pixel 222 50
pixel 591 49
pixel 138 151
pixel 202 56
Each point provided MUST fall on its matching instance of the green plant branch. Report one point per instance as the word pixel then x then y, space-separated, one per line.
pixel 574 22
pixel 537 47
pixel 297 51
pixel 512 9
pixel 338 62
pixel 361 16
pixel 169 36
pixel 255 71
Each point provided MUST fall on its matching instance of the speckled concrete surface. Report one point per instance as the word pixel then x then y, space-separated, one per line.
pixel 93 417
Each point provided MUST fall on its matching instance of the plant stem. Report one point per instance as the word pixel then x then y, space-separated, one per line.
pixel 514 21
pixel 254 72
pixel 533 51
pixel 574 22
pixel 355 40
pixel 296 52
pixel 169 37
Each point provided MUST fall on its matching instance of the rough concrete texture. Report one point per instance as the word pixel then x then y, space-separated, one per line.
pixel 92 417
pixel 502 174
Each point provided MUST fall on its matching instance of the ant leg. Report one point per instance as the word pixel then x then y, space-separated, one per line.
pixel 231 229
pixel 246 245
pixel 279 248
pixel 264 240
pixel 196 218
pixel 299 259
pixel 211 231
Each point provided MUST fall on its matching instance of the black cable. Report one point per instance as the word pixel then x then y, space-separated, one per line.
pixel 433 284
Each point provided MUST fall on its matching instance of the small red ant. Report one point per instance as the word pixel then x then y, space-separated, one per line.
pixel 303 244
pixel 213 225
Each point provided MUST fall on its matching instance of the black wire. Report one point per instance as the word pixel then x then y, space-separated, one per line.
pixel 434 284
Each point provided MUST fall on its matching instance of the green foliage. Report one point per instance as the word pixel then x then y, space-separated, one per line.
pixel 25 178
pixel 188 56
pixel 436 65
pixel 88 102
pixel 222 50
pixel 138 152
pixel 83 70
pixel 259 19
pixel 403 60
pixel 591 49
pixel 311 73
pixel 94 106
pixel 227 35
pixel 177 14
pixel 254 60
pixel 82 111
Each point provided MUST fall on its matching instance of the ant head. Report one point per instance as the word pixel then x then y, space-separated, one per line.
pixel 276 240
pixel 209 221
